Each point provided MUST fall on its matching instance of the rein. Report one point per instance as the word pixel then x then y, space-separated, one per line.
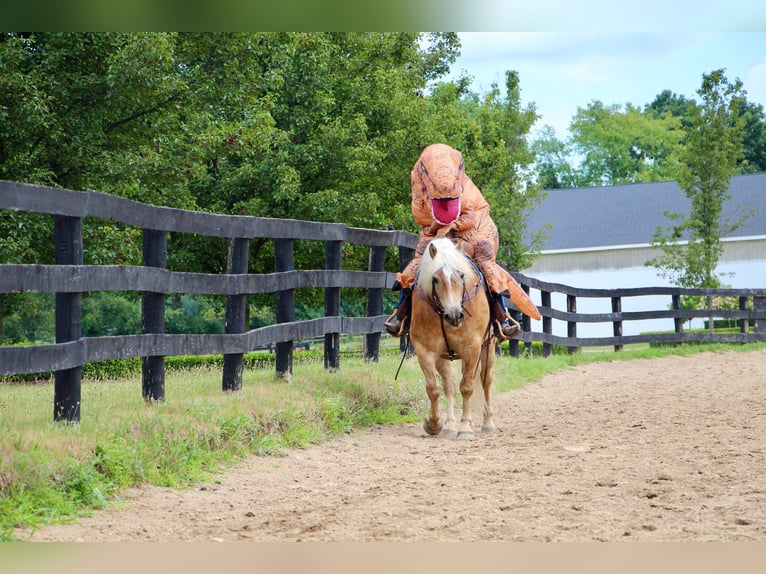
pixel 438 308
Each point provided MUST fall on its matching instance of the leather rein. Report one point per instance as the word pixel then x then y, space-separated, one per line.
pixel 438 308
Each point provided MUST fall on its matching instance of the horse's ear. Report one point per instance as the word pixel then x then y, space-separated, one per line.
pixel 432 250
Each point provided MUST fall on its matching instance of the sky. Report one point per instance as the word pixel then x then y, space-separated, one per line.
pixel 561 71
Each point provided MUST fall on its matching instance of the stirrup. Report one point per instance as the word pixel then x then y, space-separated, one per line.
pixel 391 326
pixel 515 328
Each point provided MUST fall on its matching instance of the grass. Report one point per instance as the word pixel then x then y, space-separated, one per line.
pixel 54 473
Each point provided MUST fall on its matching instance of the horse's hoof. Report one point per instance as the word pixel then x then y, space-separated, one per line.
pixel 430 430
pixel 464 435
pixel 489 429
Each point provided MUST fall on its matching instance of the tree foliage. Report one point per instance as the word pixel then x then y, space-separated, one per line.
pixel 553 161
pixel 317 126
pixel 624 146
pixel 712 148
pixel 612 144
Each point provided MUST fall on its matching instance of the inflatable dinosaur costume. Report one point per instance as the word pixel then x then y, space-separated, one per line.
pixel 445 202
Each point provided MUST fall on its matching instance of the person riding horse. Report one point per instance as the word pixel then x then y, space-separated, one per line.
pixel 446 203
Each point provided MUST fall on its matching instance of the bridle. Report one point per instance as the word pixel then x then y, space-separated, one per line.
pixel 438 308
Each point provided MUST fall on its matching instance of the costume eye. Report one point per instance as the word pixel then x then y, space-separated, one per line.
pixel 423 187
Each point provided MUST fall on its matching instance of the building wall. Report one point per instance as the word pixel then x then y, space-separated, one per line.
pixel 623 267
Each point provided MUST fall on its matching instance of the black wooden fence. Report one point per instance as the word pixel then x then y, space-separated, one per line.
pixel 69 279
pixel 750 312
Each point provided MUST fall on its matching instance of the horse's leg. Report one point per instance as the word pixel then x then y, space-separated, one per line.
pixel 433 424
pixel 466 391
pixel 444 366
pixel 487 378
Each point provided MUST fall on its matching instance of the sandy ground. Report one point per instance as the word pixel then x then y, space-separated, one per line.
pixel 669 449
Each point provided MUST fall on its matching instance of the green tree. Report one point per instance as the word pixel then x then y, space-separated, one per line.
pixel 491 132
pixel 624 146
pixel 708 159
pixel 667 102
pixel 753 158
pixel 318 126
pixel 553 161
pixel 110 314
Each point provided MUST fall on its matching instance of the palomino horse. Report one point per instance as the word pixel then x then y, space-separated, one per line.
pixel 451 320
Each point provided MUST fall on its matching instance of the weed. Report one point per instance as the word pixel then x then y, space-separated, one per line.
pixel 53 474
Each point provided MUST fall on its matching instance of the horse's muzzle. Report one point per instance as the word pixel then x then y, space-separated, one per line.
pixel 454 318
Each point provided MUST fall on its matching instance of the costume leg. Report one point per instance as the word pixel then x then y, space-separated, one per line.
pixel 505 326
pixel 398 323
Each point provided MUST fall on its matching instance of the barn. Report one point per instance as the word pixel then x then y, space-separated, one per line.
pixel 600 237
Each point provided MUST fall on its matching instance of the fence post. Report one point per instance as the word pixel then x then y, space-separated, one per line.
pixel 678 321
pixel 67 385
pixel 284 260
pixel 572 325
pixel 513 344
pixel 617 325
pixel 374 302
pixel 545 300
pixel 744 324
pixel 759 306
pixel 236 313
pixel 155 250
pixel 333 253
pixel 526 325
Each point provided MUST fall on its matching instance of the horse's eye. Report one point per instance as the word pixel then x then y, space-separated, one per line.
pixel 462 275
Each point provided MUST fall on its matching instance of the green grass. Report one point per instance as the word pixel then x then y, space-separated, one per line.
pixel 54 473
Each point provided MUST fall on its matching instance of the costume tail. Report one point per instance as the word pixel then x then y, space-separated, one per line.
pixel 519 298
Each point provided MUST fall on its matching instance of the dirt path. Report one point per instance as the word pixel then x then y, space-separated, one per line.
pixel 663 449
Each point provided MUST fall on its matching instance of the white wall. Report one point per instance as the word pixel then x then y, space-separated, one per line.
pixel 748 273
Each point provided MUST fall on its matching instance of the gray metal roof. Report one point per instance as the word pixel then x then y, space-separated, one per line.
pixel 629 214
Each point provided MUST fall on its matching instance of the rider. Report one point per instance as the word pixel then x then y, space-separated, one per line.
pixel 445 202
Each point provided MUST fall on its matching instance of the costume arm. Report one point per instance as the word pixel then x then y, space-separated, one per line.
pixel 466 220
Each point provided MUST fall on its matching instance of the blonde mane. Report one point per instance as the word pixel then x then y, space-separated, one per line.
pixel 448 256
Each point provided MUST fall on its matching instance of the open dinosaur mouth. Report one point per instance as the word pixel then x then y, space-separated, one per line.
pixel 445 209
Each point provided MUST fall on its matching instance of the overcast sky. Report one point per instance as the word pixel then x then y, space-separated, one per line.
pixel 560 72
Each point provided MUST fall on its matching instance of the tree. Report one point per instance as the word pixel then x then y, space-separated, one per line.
pixel 552 157
pixel 490 131
pixel 627 146
pixel 708 159
pixel 666 102
pixel 754 138
pixel 753 159
pixel 319 126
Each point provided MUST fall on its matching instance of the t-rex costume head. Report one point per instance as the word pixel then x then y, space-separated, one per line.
pixel 442 178
pixel 445 200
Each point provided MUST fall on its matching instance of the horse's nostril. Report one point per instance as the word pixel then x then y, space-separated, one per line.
pixel 454 319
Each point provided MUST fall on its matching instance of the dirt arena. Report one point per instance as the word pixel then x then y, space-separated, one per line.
pixel 667 449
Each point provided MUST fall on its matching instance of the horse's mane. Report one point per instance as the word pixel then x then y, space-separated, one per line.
pixel 447 256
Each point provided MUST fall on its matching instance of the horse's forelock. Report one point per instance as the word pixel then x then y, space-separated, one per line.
pixel 448 256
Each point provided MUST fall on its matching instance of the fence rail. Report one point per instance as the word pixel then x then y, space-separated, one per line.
pixel 69 278
pixel 751 310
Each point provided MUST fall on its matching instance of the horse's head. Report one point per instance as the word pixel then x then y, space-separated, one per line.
pixel 442 275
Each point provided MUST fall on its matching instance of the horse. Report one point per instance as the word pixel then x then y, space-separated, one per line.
pixel 450 320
